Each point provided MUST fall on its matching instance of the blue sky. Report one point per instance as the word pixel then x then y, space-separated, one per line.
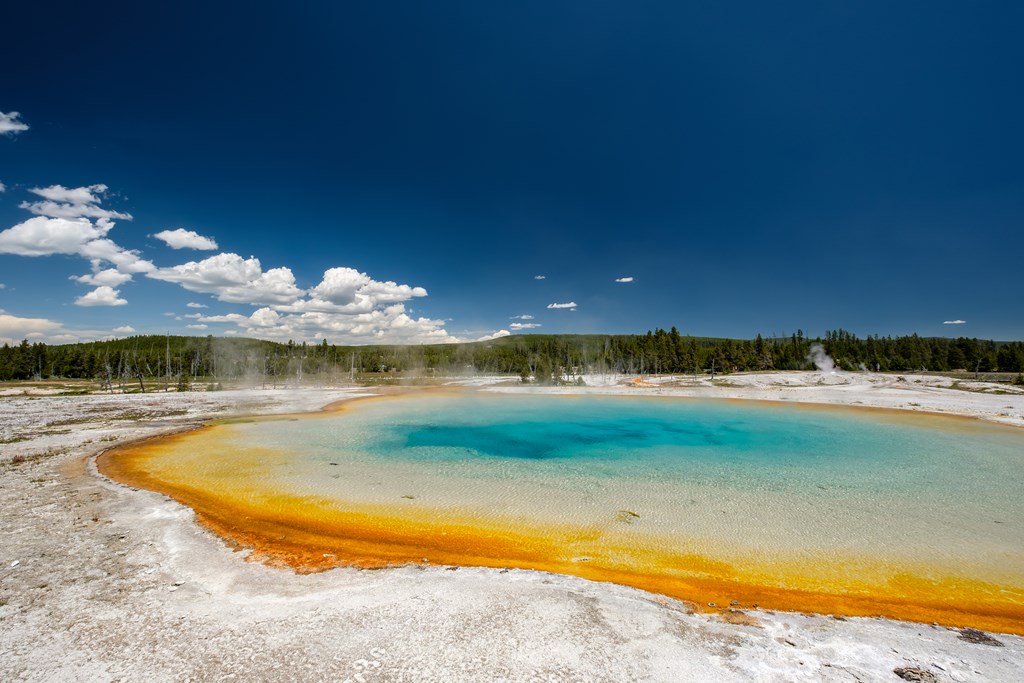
pixel 403 172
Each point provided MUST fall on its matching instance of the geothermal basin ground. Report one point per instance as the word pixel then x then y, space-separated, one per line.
pixel 99 581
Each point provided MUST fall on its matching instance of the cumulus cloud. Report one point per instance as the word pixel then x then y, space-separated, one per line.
pixel 521 317
pixel 14 328
pixel 229 318
pixel 193 304
pixel 540 277
pixel 346 304
pixel 42 236
pixel 339 285
pixel 624 279
pixel 180 238
pixel 198 326
pixel 71 221
pixel 75 202
pixel 124 329
pixel 348 286
pixel 954 322
pixel 111 277
pixel 101 296
pixel 571 305
pixel 496 335
pixel 390 324
pixel 3 188
pixel 231 278
pixel 524 326
pixel 126 260
pixel 9 123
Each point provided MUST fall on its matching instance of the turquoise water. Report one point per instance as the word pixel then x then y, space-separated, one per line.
pixel 766 478
pixel 728 443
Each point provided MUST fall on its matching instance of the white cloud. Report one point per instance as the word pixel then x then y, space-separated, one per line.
pixel 624 279
pixel 3 286
pixel 496 335
pixel 101 296
pixel 232 279
pixel 524 326
pixel 88 194
pixel 193 304
pixel 45 236
pixel 265 317
pixel 348 286
pixel 346 305
pixel 70 221
pixel 212 274
pixel 521 317
pixel 339 285
pixel 540 277
pixel 198 326
pixel 237 318
pixel 126 260
pixel 274 286
pixel 954 322
pixel 74 202
pixel 124 329
pixel 9 123
pixel 111 277
pixel 570 305
pixel 13 329
pixel 390 324
pixel 3 188
pixel 180 238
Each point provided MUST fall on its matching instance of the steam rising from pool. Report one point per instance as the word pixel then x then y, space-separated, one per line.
pixel 821 360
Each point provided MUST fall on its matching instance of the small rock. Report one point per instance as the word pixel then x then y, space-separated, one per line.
pixel 973 635
pixel 913 673
pixel 15 563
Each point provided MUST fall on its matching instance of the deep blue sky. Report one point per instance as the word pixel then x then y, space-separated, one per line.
pixel 755 167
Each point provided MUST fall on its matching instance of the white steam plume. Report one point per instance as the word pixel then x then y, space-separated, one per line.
pixel 821 359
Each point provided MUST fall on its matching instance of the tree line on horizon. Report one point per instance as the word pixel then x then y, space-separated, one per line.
pixel 178 361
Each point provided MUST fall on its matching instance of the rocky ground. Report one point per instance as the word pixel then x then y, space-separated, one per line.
pixel 99 582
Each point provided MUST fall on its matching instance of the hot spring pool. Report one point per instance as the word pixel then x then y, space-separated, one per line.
pixel 820 509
